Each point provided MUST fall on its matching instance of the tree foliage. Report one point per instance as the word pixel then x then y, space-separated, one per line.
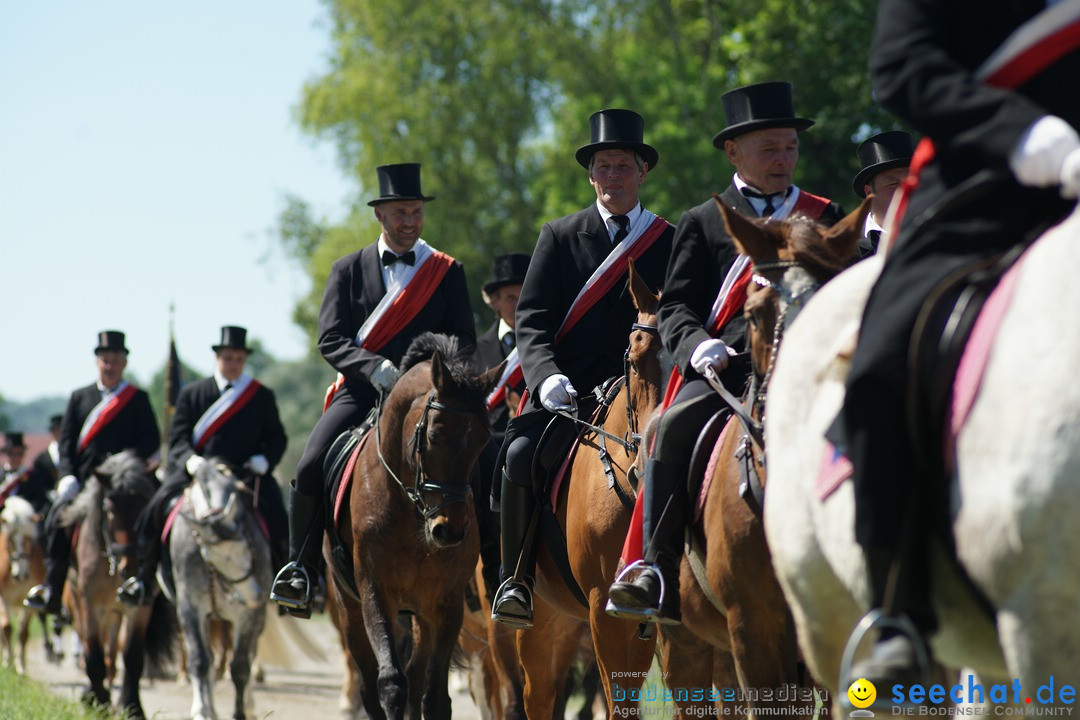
pixel 493 97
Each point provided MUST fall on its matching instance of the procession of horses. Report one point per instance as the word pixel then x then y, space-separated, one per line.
pixel 772 585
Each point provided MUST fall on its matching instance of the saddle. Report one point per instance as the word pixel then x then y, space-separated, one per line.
pixel 337 472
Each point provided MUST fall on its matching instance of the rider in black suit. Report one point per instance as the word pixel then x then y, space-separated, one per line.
pixel 356 284
pixel 761 141
pixel 134 427
pixel 1004 158
pixel 44 474
pixel 252 440
pixel 567 253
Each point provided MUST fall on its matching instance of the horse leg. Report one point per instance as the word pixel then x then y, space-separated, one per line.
pixel 134 659
pixel 546 652
pixel 246 635
pixel 24 636
pixel 763 645
pixel 378 653
pixel 621 654
pixel 94 659
pixel 437 694
pixel 195 630
pixel 502 642
pixel 688 663
pixel 416 667
pixel 5 634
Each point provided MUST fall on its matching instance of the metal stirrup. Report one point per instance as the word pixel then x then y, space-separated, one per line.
pixel 289 602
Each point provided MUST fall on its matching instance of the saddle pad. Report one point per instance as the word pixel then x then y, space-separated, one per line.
pixel 710 468
pixel 835 467
pixel 346 477
pixel 564 466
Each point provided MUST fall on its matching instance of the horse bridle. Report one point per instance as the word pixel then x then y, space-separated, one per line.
pixel 112 550
pixel 451 493
pixel 756 393
pixel 629 441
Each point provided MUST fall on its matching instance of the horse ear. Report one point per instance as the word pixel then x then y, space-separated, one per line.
pixel 751 238
pixel 845 235
pixel 440 374
pixel 490 377
pixel 645 300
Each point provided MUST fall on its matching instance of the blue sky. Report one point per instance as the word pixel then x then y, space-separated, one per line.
pixel 145 150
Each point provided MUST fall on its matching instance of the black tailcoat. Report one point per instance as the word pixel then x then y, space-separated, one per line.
pixel 134 428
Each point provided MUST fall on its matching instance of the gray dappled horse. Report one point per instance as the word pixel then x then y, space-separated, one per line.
pixel 221 569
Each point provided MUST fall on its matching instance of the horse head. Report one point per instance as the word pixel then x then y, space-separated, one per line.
pixel 20 532
pixel 212 507
pixel 792 259
pixel 124 486
pixel 443 414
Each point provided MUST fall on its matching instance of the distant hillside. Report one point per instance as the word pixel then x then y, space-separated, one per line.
pixel 30 417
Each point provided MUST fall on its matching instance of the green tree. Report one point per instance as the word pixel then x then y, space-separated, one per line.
pixel 493 98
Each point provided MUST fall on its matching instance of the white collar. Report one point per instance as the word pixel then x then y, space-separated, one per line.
pixel 606 216
pixel 871 224
pixel 421 248
pixel 222 382
pixel 503 329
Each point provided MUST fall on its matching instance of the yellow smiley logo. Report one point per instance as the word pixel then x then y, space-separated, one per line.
pixel 862 693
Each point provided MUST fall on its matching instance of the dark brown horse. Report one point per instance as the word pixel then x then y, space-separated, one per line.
pixel 412 529
pixel 104 515
pixel 736 630
pixel 594 520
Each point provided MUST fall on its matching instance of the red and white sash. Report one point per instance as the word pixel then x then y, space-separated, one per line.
pixel 401 303
pixel 732 295
pixel 649 228
pixel 1031 49
pixel 511 376
pixel 105 412
pixel 223 409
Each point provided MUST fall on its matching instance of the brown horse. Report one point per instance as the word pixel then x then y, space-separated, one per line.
pixel 104 515
pixel 594 520
pixel 411 528
pixel 22 565
pixel 736 630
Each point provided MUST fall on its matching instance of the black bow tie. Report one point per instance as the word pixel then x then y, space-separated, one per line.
pixel 770 206
pixel 389 258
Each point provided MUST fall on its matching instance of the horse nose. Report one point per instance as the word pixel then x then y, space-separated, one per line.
pixel 445 536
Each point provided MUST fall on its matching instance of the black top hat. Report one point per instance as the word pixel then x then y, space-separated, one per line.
pixel 507 269
pixel 757 107
pixel 55 421
pixel 617 129
pixel 13 440
pixel 881 152
pixel 110 340
pixel 232 337
pixel 399 182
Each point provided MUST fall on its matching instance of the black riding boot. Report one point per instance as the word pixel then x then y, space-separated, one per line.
pixel 136 590
pixel 654 593
pixel 894 658
pixel 296 583
pixel 48 597
pixel 513 603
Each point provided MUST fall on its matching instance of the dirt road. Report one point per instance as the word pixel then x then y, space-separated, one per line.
pixel 310 689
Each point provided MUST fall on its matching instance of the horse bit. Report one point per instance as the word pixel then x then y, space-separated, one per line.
pixel 451 493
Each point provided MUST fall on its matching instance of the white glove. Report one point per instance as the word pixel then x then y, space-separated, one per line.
pixel 67 488
pixel 710 353
pixel 194 463
pixel 258 464
pixel 384 376
pixel 1038 159
pixel 556 393
pixel 1070 175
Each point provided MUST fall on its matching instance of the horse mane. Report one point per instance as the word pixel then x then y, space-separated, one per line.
pixel 88 501
pixel 125 473
pixel 820 258
pixel 457 360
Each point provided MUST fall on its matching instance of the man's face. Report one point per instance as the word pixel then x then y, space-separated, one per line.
pixel 765 158
pixel 504 302
pixel 230 363
pixel 111 364
pixel 615 176
pixel 401 221
pixel 14 456
pixel 883 185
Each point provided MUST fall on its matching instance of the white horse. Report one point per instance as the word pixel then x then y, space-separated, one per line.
pixel 21 567
pixel 1014 499
pixel 221 567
